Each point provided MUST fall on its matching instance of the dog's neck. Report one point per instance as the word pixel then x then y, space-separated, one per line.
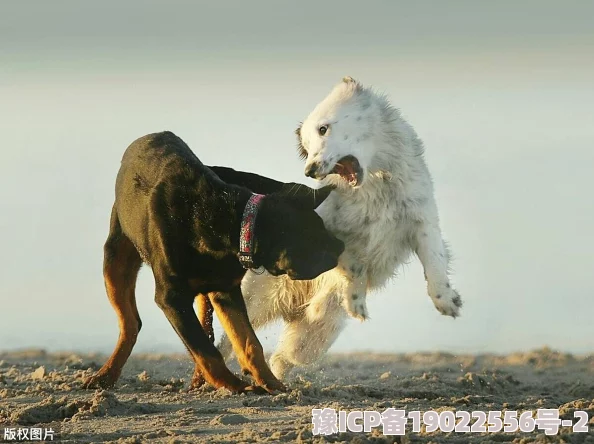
pixel 247 238
pixel 217 212
pixel 241 198
pixel 231 209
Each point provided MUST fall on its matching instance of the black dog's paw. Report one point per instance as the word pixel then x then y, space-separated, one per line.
pixel 99 381
pixel 255 389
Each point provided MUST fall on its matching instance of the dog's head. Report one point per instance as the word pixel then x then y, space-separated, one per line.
pixel 291 238
pixel 337 139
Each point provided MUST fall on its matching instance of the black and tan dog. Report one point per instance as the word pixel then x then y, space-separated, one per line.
pixel 177 215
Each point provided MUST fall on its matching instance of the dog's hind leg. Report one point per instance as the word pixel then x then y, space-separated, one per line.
pixel 303 342
pixel 120 269
pixel 432 251
pixel 205 311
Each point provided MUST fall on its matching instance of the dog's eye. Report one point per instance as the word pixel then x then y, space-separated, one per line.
pixel 322 130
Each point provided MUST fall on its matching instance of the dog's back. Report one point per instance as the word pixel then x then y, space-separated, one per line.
pixel 159 153
pixel 152 160
pixel 155 166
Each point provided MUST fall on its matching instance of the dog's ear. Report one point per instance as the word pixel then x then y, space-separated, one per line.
pixel 254 182
pixel 300 148
pixel 304 197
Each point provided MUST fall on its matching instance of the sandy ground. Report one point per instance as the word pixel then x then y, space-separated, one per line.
pixel 151 401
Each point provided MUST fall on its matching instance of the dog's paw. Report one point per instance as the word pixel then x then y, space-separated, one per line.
pixel 274 387
pixel 447 301
pixel 316 310
pixel 198 380
pixel 280 366
pixel 100 380
pixel 255 389
pixel 356 307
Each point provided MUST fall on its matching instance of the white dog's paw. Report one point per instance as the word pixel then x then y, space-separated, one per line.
pixel 356 307
pixel 446 300
pixel 316 310
pixel 279 366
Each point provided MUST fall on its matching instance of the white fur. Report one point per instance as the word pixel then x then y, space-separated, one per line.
pixel 389 215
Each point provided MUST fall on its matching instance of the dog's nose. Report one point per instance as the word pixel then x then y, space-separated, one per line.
pixel 339 246
pixel 311 170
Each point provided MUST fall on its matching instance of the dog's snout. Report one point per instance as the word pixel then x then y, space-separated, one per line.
pixel 327 261
pixel 322 263
pixel 339 246
pixel 311 170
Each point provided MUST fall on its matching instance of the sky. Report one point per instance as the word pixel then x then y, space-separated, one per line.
pixel 501 93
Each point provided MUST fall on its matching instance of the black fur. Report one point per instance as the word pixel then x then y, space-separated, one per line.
pixel 184 219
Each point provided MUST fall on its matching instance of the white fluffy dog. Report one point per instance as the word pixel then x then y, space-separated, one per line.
pixel 383 209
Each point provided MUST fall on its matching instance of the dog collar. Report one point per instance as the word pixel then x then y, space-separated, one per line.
pixel 246 233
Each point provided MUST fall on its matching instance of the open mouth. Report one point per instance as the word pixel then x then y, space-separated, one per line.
pixel 349 169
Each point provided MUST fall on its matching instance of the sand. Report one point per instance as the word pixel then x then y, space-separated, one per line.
pixel 151 402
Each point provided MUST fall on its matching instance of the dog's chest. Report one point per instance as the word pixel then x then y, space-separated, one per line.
pixel 377 231
pixel 209 274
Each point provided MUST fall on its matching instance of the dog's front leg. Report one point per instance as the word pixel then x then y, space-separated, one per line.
pixel 432 252
pixel 354 285
pixel 350 279
pixel 232 312
pixel 354 296
pixel 354 291
pixel 176 302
